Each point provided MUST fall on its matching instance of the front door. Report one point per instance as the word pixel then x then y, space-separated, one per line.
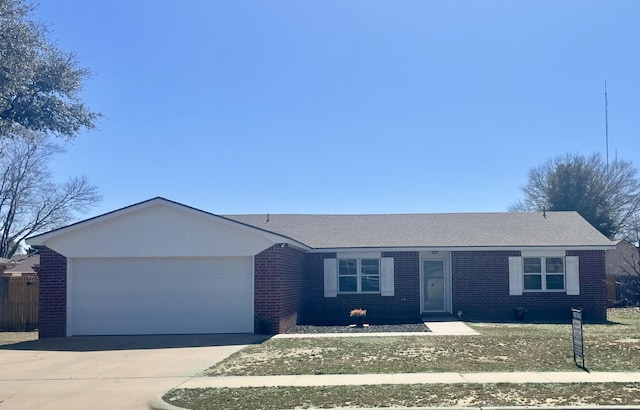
pixel 433 285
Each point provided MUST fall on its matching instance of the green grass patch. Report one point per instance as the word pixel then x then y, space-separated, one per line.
pixel 413 395
pixel 614 346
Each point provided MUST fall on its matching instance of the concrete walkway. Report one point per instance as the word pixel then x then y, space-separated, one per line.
pixel 410 378
pixel 452 328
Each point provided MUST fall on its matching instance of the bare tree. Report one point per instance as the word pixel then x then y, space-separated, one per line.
pixel 31 201
pixel 606 195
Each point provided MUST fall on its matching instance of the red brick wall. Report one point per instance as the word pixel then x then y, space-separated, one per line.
pixel 480 283
pixel 278 287
pixel 52 311
pixel 593 292
pixel 289 288
pixel 404 305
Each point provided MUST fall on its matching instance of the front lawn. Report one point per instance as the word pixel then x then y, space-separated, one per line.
pixel 412 395
pixel 499 347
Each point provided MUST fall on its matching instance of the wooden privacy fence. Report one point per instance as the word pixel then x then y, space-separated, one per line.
pixel 19 302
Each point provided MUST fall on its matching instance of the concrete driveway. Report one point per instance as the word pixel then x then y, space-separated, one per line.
pixel 107 372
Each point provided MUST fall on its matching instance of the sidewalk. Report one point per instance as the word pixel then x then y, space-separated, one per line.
pixel 450 328
pixel 410 378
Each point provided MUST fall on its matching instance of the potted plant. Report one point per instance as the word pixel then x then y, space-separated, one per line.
pixel 358 315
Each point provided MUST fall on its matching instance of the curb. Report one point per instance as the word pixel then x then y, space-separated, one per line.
pixel 585 407
pixel 157 403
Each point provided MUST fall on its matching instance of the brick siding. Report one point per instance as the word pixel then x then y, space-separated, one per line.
pixel 278 288
pixel 593 292
pixel 404 305
pixel 289 289
pixel 480 283
pixel 52 310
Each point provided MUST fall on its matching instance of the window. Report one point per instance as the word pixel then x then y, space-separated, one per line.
pixel 359 275
pixel 543 273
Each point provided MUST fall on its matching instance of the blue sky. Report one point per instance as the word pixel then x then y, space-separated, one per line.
pixel 344 106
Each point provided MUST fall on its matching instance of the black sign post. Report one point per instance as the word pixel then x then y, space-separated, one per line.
pixel 578 341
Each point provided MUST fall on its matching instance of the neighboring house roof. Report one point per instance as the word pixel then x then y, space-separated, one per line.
pixel 6 264
pixel 24 264
pixel 623 260
pixel 515 229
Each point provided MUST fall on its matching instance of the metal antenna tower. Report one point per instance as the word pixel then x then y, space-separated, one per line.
pixel 606 123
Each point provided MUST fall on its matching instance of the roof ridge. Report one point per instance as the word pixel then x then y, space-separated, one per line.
pixel 402 213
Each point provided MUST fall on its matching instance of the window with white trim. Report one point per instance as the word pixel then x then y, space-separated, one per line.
pixel 359 275
pixel 546 273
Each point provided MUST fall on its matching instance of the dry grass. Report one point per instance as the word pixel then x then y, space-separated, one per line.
pixel 415 395
pixel 499 347
pixel 9 338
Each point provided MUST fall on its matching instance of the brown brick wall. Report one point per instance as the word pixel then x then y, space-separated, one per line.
pixel 480 283
pixel 52 311
pixel 404 305
pixel 278 288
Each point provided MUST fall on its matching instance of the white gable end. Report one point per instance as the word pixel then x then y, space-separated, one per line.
pixel 160 229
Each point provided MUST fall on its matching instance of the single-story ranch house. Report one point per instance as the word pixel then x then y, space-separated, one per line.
pixel 160 267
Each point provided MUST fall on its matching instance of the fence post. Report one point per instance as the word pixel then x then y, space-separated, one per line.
pixel 4 302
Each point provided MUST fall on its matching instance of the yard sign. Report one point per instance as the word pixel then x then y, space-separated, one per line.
pixel 578 341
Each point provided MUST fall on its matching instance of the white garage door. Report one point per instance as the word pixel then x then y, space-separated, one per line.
pixel 133 296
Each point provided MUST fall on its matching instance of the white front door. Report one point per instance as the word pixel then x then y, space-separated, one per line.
pixel 435 284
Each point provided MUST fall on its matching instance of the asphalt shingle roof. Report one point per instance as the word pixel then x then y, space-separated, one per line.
pixel 516 229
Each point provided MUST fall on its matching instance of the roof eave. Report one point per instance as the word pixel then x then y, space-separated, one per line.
pixel 463 248
pixel 41 239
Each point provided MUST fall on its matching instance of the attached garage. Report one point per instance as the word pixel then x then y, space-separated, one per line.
pixel 123 296
pixel 157 267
